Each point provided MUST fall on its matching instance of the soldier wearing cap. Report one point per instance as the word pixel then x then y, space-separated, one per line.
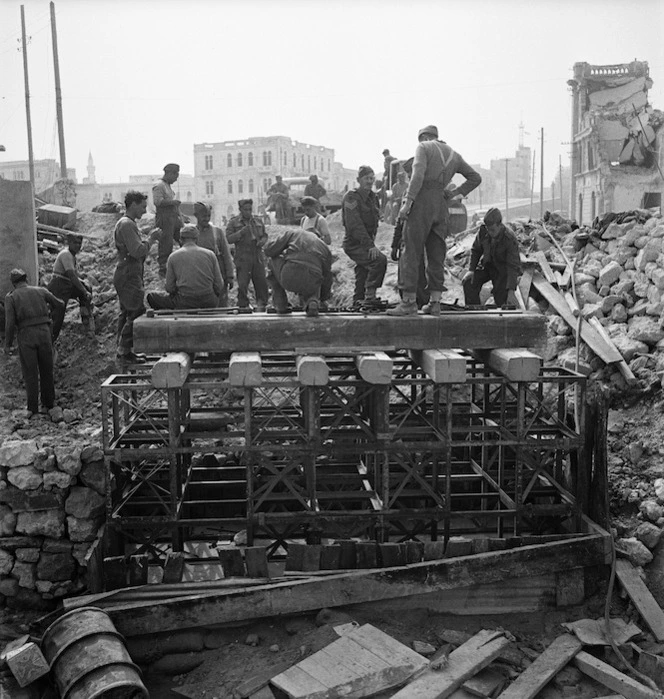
pixel 313 221
pixel 314 189
pixel 426 218
pixel 66 284
pixel 213 238
pixel 278 194
pixel 193 278
pixel 168 213
pixel 128 278
pixel 494 257
pixel 27 310
pixel 359 215
pixel 247 233
pixel 387 168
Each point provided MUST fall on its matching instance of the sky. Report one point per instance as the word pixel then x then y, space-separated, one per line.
pixel 144 80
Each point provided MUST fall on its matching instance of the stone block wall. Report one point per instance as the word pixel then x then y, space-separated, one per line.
pixel 52 503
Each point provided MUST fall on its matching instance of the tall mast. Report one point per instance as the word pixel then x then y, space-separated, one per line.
pixel 58 96
pixel 31 157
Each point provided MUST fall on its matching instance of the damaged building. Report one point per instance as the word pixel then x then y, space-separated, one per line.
pixel 616 140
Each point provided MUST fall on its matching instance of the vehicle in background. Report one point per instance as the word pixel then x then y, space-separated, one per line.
pixel 330 203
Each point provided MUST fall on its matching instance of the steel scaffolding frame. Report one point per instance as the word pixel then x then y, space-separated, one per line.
pixel 345 459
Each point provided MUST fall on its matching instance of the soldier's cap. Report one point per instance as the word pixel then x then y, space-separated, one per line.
pixel 74 238
pixel 242 202
pixel 309 201
pixel 492 216
pixel 433 130
pixel 172 167
pixel 386 151
pixel 189 231
pixel 17 275
pixel 200 207
pixel 365 170
pixel 313 177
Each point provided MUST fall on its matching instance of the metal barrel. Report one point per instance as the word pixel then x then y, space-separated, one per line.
pixel 89 659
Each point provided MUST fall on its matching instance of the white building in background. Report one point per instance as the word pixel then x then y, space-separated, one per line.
pixel 227 171
pixel 47 171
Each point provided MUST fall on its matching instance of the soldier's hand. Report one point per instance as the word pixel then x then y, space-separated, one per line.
pixel 450 193
pixel 405 209
pixel 373 253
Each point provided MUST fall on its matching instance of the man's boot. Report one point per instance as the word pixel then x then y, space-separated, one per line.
pixel 406 307
pixel 433 307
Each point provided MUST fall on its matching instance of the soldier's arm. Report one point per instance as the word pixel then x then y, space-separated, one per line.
pixel 513 262
pixel 277 245
pixel 225 259
pixel 475 253
pixel 217 281
pixel 354 225
pixel 132 240
pixel 170 284
pixel 10 322
pixel 162 197
pixel 419 168
pixel 262 234
pixel 473 178
pixel 324 231
pixel 235 232
pixel 52 300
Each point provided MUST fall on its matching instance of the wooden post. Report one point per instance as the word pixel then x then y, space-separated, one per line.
pixel 597 483
pixel 232 563
pixel 58 96
pixel 28 119
pixel 171 371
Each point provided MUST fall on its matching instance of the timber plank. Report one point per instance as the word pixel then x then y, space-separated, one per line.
pixel 641 596
pixel 245 369
pixel 312 370
pixel 607 353
pixel 441 366
pixel 545 267
pixel 612 678
pixel 171 371
pixel 357 586
pixel 469 330
pixel 463 663
pixel 296 682
pixel 525 283
pixel 515 364
pixel 375 368
pixel 385 647
pixel 543 668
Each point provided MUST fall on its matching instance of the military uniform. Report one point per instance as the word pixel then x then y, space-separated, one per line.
pixel 27 309
pixel 359 215
pixel 496 260
pixel 300 262
pixel 213 238
pixel 128 279
pixel 434 166
pixel 65 289
pixel 315 190
pixel 168 219
pixel 248 236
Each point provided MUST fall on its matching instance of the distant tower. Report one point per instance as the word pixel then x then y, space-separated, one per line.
pixel 522 130
pixel 90 179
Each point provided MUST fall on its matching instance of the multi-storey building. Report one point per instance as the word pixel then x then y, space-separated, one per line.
pixel 518 175
pixel 617 140
pixel 47 171
pixel 231 170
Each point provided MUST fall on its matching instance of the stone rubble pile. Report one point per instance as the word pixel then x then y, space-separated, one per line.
pixel 52 503
pixel 619 276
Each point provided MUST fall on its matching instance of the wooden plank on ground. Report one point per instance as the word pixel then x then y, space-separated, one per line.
pixel 623 367
pixel 355 587
pixel 462 663
pixel 607 353
pixel 171 371
pixel 525 283
pixel 548 273
pixel 485 329
pixel 543 668
pixel 245 369
pixel 515 364
pixel 375 368
pixel 312 370
pixel 612 678
pixel 641 596
pixel 441 366
pixel 360 663
pixel 486 683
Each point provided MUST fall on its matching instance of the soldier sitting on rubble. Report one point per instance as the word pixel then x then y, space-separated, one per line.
pixel 66 285
pixel 193 277
pixel 299 261
pixel 494 257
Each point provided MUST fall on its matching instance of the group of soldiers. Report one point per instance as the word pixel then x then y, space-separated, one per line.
pixel 200 273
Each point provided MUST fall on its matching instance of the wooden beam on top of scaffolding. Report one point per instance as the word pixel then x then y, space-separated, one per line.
pixel 262 331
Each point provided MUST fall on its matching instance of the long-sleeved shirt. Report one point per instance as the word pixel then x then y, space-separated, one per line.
pixel 193 271
pixel 436 164
pixel 501 252
pixel 213 238
pixel 302 247
pixel 26 306
pixel 359 215
pixel 128 241
pixel 248 236
pixel 315 190
pixel 163 195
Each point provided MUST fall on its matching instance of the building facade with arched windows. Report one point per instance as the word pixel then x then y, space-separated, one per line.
pixel 232 170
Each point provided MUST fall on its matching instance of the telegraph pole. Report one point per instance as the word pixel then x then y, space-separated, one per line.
pixel 31 157
pixel 532 185
pixel 560 174
pixel 542 173
pixel 58 96
pixel 507 188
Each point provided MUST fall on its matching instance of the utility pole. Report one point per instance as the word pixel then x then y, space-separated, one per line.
pixel 58 96
pixel 507 188
pixel 542 173
pixel 560 175
pixel 532 185
pixel 31 157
